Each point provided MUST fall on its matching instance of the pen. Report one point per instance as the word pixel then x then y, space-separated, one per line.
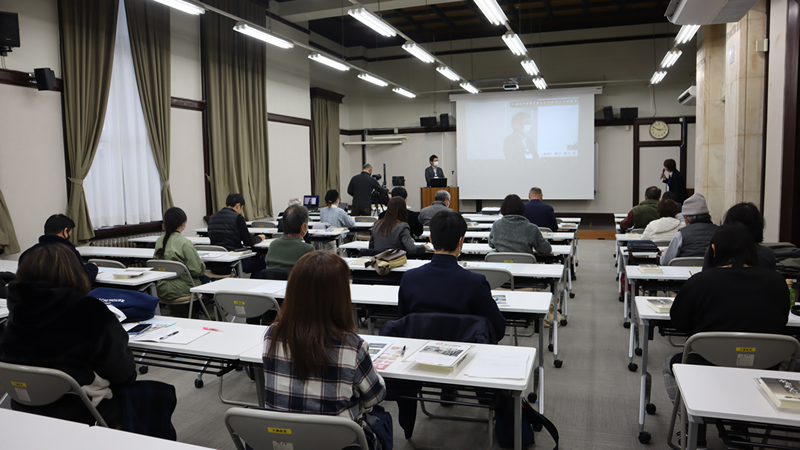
pixel 403 351
pixel 171 334
pixel 211 329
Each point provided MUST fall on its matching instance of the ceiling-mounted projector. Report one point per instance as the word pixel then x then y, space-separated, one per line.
pixel 707 12
pixel 510 85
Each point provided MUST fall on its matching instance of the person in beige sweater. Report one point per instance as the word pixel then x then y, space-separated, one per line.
pixel 665 227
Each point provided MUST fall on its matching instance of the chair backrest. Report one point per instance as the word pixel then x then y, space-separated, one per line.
pixel 264 224
pixel 365 219
pixel 262 429
pixel 38 386
pixel 662 243
pixel 277 235
pixel 545 230
pixel 210 248
pixel 510 257
pixel 687 261
pixel 271 274
pixel 495 277
pixel 246 305
pixel 442 326
pixel 107 263
pixel 163 265
pixel 635 231
pixel 747 350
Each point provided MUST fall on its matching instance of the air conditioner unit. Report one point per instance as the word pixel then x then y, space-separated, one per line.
pixel 706 12
pixel 689 97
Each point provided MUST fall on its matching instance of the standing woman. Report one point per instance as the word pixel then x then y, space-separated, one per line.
pixel 173 246
pixel 393 231
pixel 675 181
pixel 314 360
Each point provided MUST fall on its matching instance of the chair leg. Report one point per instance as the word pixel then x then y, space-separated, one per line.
pixel 672 419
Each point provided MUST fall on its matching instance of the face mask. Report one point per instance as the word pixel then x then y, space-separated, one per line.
pixel 526 129
pixel 436 164
pixel 668 173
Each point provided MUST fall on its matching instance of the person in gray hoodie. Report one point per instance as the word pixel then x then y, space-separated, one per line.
pixel 514 233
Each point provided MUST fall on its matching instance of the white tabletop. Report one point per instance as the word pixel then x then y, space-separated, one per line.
pixel 645 312
pixel 271 231
pixel 569 219
pixel 468 248
pixel 148 253
pixel 145 278
pixel 516 269
pixel 228 343
pixel 482 217
pixel 8 266
pixel 628 237
pixel 196 240
pixel 620 215
pixel 403 370
pixel 358 225
pixel 23 430
pixel 731 393
pixel 485 235
pixel 670 273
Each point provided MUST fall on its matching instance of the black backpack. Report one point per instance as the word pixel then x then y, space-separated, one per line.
pixel 531 418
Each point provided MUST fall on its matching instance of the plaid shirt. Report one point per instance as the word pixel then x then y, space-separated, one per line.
pixel 344 388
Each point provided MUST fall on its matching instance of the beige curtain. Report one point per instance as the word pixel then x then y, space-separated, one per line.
pixel 149 28
pixel 325 123
pixel 8 237
pixel 88 31
pixel 236 103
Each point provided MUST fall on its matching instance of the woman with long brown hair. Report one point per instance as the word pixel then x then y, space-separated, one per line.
pixel 393 231
pixel 314 360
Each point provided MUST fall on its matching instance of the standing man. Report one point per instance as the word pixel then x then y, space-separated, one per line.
pixel 361 187
pixel 227 228
pixel 675 181
pixel 433 171
pixel 538 212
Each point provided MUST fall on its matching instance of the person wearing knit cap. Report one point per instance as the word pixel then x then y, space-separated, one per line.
pixel 695 237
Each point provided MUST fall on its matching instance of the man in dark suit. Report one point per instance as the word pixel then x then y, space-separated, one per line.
pixel 443 286
pixel 517 146
pixel 433 171
pixel 675 181
pixel 413 216
pixel 361 187
pixel 538 212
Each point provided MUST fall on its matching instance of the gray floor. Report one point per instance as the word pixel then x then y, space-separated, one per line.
pixel 592 399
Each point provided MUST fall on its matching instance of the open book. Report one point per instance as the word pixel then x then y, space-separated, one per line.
pixel 131 272
pixel 440 354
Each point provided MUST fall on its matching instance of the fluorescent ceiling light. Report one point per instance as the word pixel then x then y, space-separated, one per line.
pixel 404 92
pixel 468 87
pixel 670 58
pixel 539 83
pixel 183 6
pixel 320 58
pixel 269 38
pixel 373 80
pixel 446 71
pixel 658 76
pixel 514 43
pixel 492 11
pixel 686 34
pixel 371 20
pixel 419 52
pixel 530 67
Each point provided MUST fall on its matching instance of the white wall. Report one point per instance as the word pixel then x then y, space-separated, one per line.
pixel 187 178
pixel 38 35
pixel 185 60
pixel 289 164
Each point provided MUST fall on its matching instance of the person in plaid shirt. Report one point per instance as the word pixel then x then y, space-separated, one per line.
pixel 314 360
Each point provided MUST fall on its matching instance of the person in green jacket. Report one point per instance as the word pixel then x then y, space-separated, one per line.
pixel 285 251
pixel 172 246
pixel 643 213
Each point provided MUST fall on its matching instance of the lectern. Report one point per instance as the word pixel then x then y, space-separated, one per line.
pixel 428 194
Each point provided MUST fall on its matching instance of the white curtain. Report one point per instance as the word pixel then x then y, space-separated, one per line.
pixel 123 186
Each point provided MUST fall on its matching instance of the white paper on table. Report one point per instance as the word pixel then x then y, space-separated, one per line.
pixel 378 345
pixel 269 288
pixel 492 365
pixel 211 254
pixel 171 335
pixel 105 275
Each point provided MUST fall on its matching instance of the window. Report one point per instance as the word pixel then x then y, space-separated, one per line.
pixel 123 186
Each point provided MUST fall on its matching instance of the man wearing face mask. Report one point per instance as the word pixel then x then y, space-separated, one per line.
pixel 518 146
pixel 433 171
pixel 286 250
pixel 57 230
pixel 675 181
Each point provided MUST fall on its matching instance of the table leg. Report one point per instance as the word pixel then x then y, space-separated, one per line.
pixel 541 363
pixel 516 400
pixel 258 375
pixel 692 432
pixel 644 388
pixel 239 272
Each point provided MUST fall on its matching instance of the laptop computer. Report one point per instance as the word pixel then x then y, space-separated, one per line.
pixel 311 202
pixel 438 182
pixel 343 205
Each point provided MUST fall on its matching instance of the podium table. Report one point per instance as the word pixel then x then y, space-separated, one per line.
pixel 428 193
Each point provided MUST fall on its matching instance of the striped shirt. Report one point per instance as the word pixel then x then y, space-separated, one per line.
pixel 344 388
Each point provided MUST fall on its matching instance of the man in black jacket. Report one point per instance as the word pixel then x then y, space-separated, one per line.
pixel 413 216
pixel 361 187
pixel 57 230
pixel 228 229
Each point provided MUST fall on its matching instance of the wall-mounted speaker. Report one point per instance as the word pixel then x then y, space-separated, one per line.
pixel 427 121
pixel 628 113
pixel 608 113
pixel 45 79
pixel 9 29
pixel 444 121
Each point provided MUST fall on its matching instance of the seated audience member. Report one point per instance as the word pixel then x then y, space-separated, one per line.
pixel 748 215
pixel 57 230
pixel 644 212
pixel 286 250
pixel 292 201
pixel 413 216
pixel 731 295
pixel 54 323
pixel 332 214
pixel 393 232
pixel 326 369
pixel 227 228
pixel 693 239
pixel 441 203
pixel 665 227
pixel 538 212
pixel 442 285
pixel 671 196
pixel 173 246
pixel 514 233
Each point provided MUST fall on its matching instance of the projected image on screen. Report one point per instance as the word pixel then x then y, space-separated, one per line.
pixel 510 142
